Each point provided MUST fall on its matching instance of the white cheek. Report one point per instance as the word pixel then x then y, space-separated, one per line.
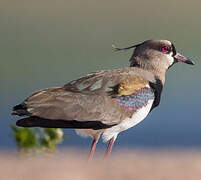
pixel 170 58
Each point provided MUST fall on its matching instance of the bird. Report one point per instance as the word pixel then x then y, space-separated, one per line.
pixel 105 102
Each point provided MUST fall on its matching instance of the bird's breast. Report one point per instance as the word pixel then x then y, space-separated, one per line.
pixel 127 123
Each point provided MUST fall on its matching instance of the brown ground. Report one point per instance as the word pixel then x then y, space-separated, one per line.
pixel 128 165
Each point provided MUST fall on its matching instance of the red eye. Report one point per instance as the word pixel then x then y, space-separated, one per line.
pixel 165 49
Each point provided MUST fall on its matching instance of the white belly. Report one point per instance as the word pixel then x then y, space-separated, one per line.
pixel 137 117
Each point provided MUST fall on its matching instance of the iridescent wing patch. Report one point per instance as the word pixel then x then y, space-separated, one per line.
pixel 135 100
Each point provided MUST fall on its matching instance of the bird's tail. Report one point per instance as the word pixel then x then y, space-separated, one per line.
pixel 20 110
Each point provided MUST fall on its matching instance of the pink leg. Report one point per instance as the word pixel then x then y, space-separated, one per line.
pixel 109 147
pixel 92 150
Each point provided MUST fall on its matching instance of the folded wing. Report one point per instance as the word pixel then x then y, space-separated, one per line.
pixel 96 101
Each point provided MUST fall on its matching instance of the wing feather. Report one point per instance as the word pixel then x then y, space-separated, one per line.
pixel 99 96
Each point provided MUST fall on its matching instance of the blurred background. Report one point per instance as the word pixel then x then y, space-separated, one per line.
pixel 46 43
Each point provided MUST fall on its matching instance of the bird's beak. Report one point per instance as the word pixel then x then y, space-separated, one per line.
pixel 180 58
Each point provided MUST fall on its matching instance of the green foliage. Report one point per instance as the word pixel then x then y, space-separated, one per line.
pixel 34 140
pixel 50 137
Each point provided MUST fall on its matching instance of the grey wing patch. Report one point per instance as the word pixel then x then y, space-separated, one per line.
pixel 86 84
pixel 136 100
pixel 95 83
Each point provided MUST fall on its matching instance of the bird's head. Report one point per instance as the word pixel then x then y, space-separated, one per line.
pixel 155 55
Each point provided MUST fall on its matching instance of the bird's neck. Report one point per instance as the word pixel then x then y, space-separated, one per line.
pixel 160 75
pixel 158 72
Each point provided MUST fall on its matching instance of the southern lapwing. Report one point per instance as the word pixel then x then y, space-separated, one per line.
pixel 105 102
